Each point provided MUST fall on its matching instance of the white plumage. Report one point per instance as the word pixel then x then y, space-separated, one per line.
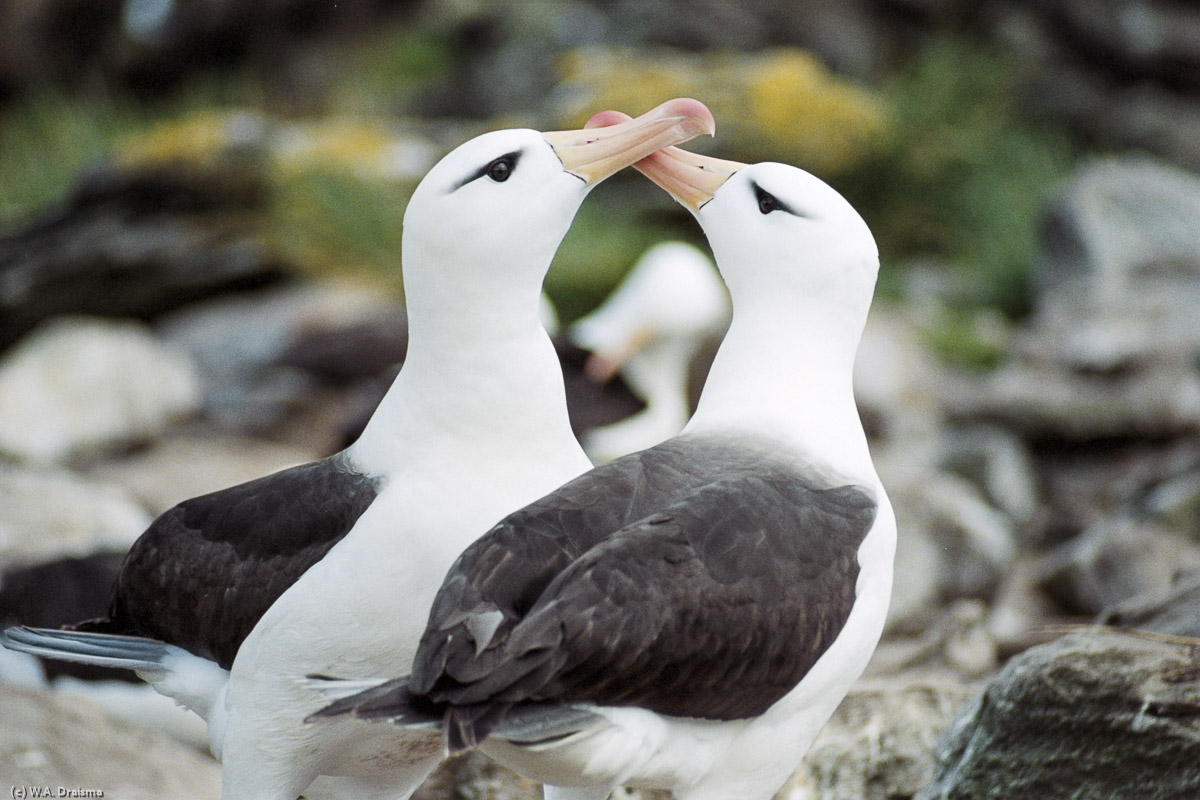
pixel 780 563
pixel 474 426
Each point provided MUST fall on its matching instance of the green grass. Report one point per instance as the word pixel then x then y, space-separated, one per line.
pixel 387 71
pixel 331 222
pixel 960 337
pixel 48 142
pixel 963 176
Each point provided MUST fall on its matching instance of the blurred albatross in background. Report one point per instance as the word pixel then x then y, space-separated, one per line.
pixel 651 330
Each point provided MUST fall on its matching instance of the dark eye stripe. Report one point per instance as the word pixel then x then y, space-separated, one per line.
pixel 768 202
pixel 512 158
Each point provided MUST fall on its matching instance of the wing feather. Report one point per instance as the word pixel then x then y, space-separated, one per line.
pixel 689 579
pixel 205 571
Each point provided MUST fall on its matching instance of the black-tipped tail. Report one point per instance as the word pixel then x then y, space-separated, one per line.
pixel 526 724
pixel 467 726
pixel 463 727
pixel 386 700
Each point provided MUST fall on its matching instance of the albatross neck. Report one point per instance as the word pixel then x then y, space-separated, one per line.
pixel 480 370
pixel 787 375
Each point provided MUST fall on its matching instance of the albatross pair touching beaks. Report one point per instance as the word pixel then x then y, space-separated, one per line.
pixel 687 617
pixel 229 600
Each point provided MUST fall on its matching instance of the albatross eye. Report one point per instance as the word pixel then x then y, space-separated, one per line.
pixel 500 169
pixel 766 201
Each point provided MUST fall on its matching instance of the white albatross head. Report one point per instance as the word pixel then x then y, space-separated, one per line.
pixel 480 232
pixel 502 202
pixel 775 230
pixel 801 266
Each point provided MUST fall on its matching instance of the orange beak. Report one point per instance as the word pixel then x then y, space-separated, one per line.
pixel 688 177
pixel 594 153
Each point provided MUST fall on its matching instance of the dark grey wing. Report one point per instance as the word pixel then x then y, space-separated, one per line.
pixel 715 608
pixel 205 572
pixel 502 574
pixel 498 579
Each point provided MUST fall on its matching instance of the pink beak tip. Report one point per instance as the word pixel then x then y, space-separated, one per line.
pixel 700 119
pixel 602 119
pixel 693 109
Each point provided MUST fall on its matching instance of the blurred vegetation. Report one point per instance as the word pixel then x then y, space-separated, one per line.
pixel 779 104
pixel 48 142
pixel 970 338
pixel 339 176
pixel 326 220
pixel 939 158
pixel 961 175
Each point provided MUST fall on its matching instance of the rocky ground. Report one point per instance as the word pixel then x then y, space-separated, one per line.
pixel 1044 640
pixel 1057 491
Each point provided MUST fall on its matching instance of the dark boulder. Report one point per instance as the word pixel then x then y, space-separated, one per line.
pixel 1094 715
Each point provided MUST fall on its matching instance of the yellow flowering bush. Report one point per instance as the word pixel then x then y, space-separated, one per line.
pixel 780 104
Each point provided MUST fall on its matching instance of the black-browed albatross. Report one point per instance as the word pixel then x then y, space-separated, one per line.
pixel 332 566
pixel 650 330
pixel 687 617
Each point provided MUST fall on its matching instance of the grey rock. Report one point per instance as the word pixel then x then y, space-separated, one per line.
pixel 135 242
pixel 880 741
pixel 1111 351
pixel 1152 118
pixel 180 467
pixel 246 344
pixel 1172 609
pixel 1091 716
pixel 1144 116
pixel 1175 501
pixel 1124 73
pixel 1021 612
pixel 1114 561
pixel 1000 463
pixel 480 777
pixel 50 741
pixel 943 10
pixel 137 704
pixel 39 47
pixel 955 642
pixel 78 386
pixel 977 540
pixel 952 544
pixel 152 48
pixel 1089 484
pixel 1119 268
pixel 1048 401
pixel 50 514
pixel 1155 38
